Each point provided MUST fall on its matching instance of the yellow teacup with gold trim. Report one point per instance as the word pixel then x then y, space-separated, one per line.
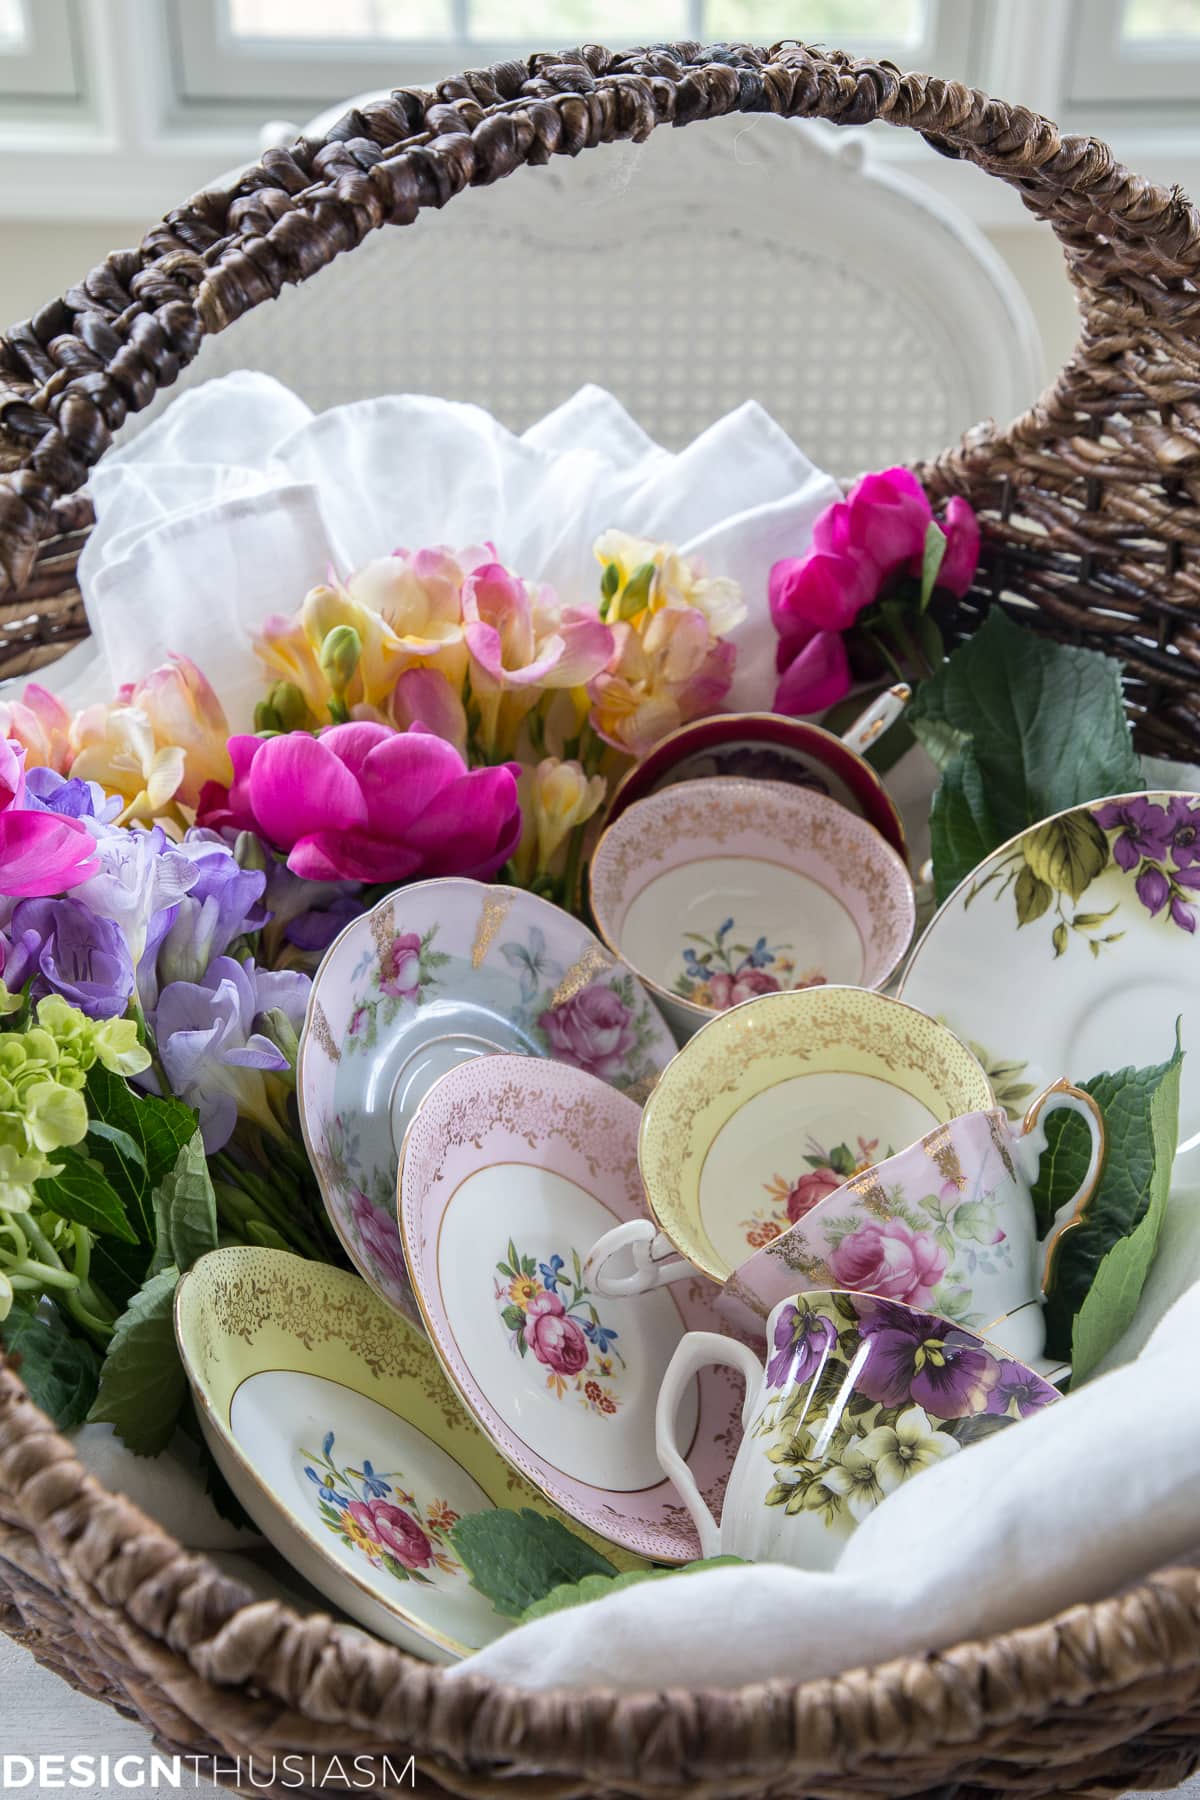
pixel 771 1106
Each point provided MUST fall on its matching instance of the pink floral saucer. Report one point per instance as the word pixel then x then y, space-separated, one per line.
pixel 511 1171
pixel 438 974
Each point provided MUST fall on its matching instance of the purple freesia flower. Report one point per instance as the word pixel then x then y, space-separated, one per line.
pixel 1020 1387
pixel 213 1056
pixel 306 914
pixel 1144 829
pixel 224 903
pixel 915 1357
pixel 803 1340
pixel 70 951
pixel 48 791
pixel 142 875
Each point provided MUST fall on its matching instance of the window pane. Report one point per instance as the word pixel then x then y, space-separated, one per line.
pixel 818 21
pixel 553 24
pixel 12 25
pixel 302 20
pixel 1148 19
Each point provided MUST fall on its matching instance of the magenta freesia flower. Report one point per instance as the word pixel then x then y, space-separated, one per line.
pixel 362 802
pixel 520 637
pixel 859 546
pixel 41 853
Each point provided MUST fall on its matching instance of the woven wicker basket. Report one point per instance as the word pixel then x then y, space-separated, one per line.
pixel 1090 503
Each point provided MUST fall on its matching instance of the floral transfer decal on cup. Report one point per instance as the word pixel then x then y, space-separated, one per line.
pixel 375 1515
pixel 790 1199
pixel 921 1391
pixel 550 1315
pixel 1154 842
pixel 400 974
pixel 720 973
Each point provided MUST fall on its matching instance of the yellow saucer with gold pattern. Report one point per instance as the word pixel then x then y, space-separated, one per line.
pixel 773 1103
pixel 330 1418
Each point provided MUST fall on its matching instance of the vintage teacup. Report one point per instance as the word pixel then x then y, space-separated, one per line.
pixel 714 891
pixel 859 1395
pixel 784 1096
pixel 948 1224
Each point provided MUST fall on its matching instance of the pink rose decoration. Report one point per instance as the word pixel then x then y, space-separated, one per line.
pixel 394 1530
pixel 402 967
pixel 362 802
pixel 380 1239
pixel 592 1031
pixel 555 1339
pixel 810 1190
pixel 892 1260
pixel 859 546
pixel 41 853
pixel 727 990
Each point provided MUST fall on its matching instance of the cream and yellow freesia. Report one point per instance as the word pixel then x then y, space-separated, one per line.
pixel 640 575
pixel 668 669
pixel 116 746
pixel 556 799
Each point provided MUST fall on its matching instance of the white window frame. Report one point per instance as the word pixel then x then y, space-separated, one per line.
pixel 1107 73
pixel 45 67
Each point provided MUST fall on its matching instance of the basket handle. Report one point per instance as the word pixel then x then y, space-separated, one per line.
pixel 70 375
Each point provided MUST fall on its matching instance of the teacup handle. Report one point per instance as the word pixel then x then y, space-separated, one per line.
pixel 655 1260
pixel 694 1352
pixel 1030 1142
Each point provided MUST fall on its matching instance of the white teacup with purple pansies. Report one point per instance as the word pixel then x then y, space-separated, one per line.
pixel 859 1395
pixel 948 1224
pixel 438 974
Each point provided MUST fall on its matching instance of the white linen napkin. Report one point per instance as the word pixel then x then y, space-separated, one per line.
pixel 1067 1506
pixel 237 500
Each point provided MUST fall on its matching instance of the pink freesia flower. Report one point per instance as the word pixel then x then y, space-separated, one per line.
pixel 424 696
pixel 892 1260
pixel 41 853
pixel 521 643
pixel 42 725
pixel 364 803
pixel 859 545
pixel 183 710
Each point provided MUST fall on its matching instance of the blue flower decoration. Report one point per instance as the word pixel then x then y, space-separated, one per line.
pixel 693 964
pixel 601 1335
pixel 327 1444
pixel 327 1493
pixel 727 926
pixel 373 1483
pixel 760 956
pixel 549 1273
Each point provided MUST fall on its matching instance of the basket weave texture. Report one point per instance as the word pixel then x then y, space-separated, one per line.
pixel 1090 507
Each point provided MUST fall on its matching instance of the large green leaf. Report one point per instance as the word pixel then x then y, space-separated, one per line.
pixel 1045 729
pixel 516 1558
pixel 595 1587
pixel 82 1192
pixel 60 1371
pixel 147 1134
pixel 185 1210
pixel 1140 1108
pixel 142 1383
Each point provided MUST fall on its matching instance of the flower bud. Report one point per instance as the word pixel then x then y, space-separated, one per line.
pixel 289 706
pixel 275 1025
pixel 341 651
pixel 250 852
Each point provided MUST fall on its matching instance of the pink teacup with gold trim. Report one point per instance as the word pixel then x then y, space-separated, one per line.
pixel 947 1225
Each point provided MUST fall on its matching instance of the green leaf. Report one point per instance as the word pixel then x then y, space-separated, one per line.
pixel 185 1210
pixel 124 1143
pixel 595 1587
pixel 82 1193
pixel 1140 1108
pixel 1033 895
pixel 1112 1299
pixel 1067 854
pixel 517 1558
pixel 60 1371
pixel 1045 730
pixel 513 1317
pixel 931 561
pixel 142 1383
pixel 157 1130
